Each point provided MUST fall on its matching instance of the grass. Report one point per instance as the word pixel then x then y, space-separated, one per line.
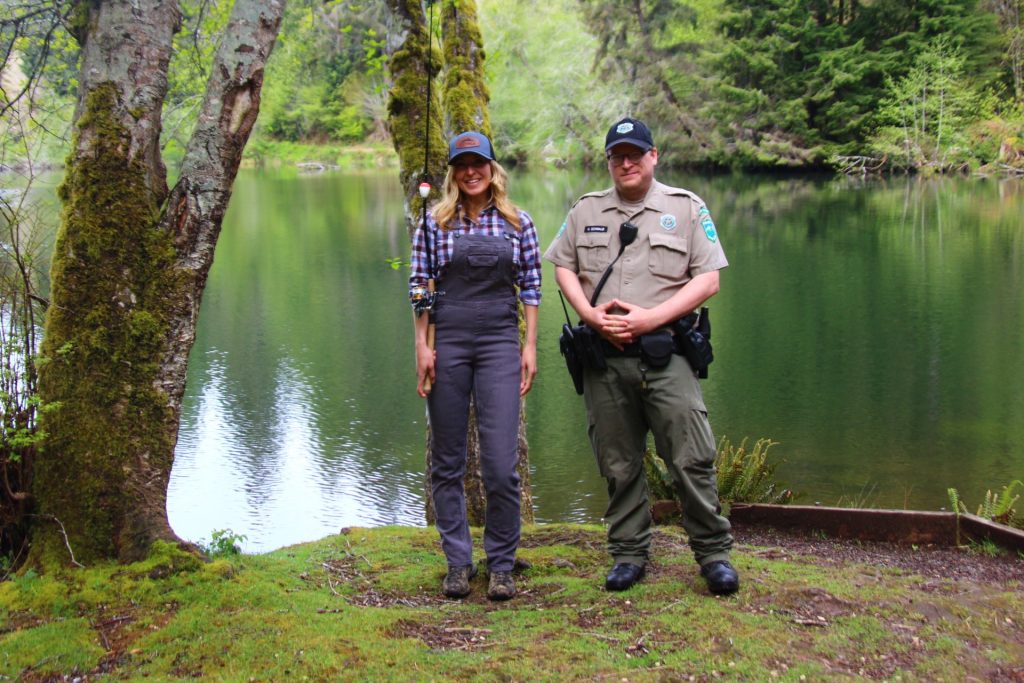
pixel 365 605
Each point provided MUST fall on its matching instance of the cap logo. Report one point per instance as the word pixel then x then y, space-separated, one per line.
pixel 465 143
pixel 624 128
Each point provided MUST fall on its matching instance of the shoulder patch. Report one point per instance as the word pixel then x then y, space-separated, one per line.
pixel 709 228
pixel 561 230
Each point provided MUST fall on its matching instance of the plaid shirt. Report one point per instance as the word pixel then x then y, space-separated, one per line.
pixel 525 250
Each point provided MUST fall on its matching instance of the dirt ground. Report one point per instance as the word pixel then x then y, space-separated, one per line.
pixel 927 560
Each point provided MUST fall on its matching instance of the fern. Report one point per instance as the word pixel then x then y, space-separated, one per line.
pixel 743 476
pixel 999 507
pixel 747 476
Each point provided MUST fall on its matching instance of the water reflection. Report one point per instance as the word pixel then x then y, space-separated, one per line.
pixel 874 330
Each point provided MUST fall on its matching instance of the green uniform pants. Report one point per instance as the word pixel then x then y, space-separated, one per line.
pixel 620 413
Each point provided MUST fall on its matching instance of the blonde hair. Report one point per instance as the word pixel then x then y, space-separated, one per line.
pixel 444 210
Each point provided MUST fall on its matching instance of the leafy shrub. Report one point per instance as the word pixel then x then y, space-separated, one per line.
pixel 223 542
pixel 743 476
pixel 997 507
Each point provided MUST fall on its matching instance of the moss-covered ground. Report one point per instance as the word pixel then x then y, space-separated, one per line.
pixel 365 605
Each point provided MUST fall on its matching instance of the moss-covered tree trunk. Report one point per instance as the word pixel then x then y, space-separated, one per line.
pixel 129 266
pixel 414 121
pixel 465 87
pixel 412 57
pixel 465 108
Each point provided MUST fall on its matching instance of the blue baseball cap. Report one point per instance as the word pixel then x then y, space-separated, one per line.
pixel 470 142
pixel 631 132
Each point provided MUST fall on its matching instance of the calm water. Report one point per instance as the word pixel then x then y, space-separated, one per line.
pixel 873 330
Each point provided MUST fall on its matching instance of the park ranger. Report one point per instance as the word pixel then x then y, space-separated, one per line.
pixel 667 256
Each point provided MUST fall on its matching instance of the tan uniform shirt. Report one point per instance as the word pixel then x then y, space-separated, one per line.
pixel 677 241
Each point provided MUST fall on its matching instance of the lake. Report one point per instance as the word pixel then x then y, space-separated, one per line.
pixel 874 330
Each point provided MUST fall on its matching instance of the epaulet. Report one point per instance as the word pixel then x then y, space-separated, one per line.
pixel 680 192
pixel 599 193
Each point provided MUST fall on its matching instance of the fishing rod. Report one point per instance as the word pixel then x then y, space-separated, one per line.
pixel 424 301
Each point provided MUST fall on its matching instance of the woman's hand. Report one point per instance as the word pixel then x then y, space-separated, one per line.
pixel 528 363
pixel 425 357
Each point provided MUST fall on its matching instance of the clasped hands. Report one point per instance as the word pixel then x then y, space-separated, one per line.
pixel 622 328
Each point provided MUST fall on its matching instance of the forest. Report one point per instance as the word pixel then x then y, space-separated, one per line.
pixel 929 86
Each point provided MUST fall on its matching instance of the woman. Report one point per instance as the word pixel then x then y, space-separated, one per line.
pixel 482 250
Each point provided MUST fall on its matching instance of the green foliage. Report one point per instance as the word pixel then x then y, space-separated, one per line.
pixel 996 507
pixel 747 476
pixel 25 228
pixel 223 542
pixel 743 476
pixel 803 80
pixel 986 547
pixel 547 105
pixel 324 78
pixel 925 116
pixel 203 22
pixel 653 50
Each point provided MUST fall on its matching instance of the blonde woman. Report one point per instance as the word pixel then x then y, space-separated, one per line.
pixel 485 259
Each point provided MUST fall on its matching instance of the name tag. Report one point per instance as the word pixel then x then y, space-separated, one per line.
pixel 596 228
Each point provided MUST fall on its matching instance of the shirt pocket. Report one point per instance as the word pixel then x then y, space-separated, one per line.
pixel 669 256
pixel 593 251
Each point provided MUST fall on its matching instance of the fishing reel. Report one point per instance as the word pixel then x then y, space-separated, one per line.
pixel 423 300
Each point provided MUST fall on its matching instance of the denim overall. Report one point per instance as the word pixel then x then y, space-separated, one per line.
pixel 477 346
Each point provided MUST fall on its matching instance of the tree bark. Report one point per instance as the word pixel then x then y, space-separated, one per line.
pixel 128 270
pixel 465 88
pixel 413 59
pixel 465 108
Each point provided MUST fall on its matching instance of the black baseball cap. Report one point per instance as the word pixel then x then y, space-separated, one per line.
pixel 629 131
pixel 470 142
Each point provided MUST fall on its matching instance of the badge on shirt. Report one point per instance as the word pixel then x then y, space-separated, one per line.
pixel 596 228
pixel 668 221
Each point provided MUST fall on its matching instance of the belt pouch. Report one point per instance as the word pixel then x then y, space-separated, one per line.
pixel 656 348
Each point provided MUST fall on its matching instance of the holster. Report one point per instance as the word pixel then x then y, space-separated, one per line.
pixel 581 347
pixel 588 345
pixel 573 360
pixel 693 337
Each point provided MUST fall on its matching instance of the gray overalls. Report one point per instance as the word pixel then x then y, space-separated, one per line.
pixel 477 346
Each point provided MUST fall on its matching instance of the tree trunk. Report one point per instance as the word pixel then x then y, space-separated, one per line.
pixel 465 108
pixel 412 57
pixel 465 87
pixel 128 270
